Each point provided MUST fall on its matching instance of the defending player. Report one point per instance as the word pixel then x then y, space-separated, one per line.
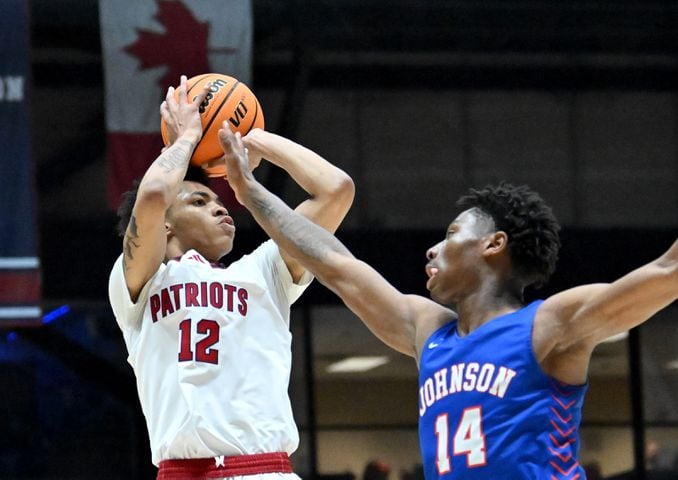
pixel 210 344
pixel 501 383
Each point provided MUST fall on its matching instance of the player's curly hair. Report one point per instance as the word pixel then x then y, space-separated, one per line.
pixel 528 221
pixel 193 174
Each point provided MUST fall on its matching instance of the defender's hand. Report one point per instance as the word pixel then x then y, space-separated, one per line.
pixel 236 160
pixel 218 167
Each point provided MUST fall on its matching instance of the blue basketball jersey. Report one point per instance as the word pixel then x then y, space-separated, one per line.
pixel 488 411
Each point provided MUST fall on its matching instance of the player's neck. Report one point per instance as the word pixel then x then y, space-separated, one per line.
pixel 173 250
pixel 176 250
pixel 480 308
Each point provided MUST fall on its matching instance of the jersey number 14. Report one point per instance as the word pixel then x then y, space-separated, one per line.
pixel 468 440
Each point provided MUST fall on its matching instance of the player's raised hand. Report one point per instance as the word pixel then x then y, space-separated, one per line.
pixel 181 115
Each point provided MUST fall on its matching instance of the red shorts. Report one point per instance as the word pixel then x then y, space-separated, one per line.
pixel 220 467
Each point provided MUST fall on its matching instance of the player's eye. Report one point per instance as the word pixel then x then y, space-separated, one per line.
pixel 198 202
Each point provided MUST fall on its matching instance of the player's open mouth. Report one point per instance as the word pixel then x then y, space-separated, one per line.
pixel 431 271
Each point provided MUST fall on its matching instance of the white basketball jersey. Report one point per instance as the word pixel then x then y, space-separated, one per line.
pixel 211 350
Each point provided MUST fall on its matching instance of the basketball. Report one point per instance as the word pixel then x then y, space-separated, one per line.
pixel 228 100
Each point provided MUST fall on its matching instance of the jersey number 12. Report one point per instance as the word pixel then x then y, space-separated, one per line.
pixel 468 440
pixel 203 347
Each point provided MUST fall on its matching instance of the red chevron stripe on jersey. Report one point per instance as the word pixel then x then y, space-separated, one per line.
pixel 563 462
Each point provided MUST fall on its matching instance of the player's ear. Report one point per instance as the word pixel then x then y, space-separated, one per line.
pixel 496 242
pixel 168 230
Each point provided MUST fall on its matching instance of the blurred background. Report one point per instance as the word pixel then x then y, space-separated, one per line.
pixel 418 101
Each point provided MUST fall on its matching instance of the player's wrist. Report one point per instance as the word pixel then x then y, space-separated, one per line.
pixel 245 188
pixel 191 136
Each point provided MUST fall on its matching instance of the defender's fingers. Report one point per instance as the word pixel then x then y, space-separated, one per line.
pixel 238 141
pixel 225 133
pixel 232 143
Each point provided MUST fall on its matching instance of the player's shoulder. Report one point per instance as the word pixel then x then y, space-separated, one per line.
pixel 116 277
pixel 428 317
pixel 117 265
pixel 427 311
pixel 118 289
pixel 265 251
pixel 264 260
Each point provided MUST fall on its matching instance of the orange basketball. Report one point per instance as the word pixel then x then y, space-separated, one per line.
pixel 228 100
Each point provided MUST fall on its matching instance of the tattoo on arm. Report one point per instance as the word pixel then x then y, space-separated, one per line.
pixel 131 242
pixel 171 160
pixel 311 240
pixel 176 157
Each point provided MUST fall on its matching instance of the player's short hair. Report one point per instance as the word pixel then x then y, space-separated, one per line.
pixel 193 174
pixel 530 224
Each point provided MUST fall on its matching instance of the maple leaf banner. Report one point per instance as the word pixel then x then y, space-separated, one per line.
pixel 147 45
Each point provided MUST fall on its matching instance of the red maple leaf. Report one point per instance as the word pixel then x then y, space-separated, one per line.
pixel 182 47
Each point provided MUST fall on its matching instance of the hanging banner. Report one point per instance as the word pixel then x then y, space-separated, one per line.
pixel 147 45
pixel 20 280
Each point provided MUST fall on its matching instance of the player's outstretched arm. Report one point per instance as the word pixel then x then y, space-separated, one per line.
pixel 330 189
pixel 573 322
pixel 397 319
pixel 145 239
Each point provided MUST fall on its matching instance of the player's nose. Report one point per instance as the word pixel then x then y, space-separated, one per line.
pixel 219 210
pixel 432 252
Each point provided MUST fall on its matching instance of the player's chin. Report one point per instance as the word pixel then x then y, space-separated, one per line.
pixel 433 286
pixel 436 295
pixel 222 246
pixel 227 243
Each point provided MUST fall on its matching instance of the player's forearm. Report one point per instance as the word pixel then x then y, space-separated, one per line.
pixel 309 243
pixel 668 262
pixel 670 258
pixel 630 300
pixel 309 170
pixel 163 178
